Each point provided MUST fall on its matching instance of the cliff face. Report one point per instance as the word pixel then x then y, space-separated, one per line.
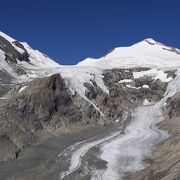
pixel 172 107
pixel 11 51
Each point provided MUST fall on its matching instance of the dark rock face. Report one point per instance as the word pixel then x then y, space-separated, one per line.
pixel 171 74
pixel 12 55
pixel 122 99
pixel 5 83
pixel 40 105
pixel 44 102
pixel 172 108
pixel 8 150
pixel 154 92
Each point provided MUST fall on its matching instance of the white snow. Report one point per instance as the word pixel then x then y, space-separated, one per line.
pixel 117 120
pixel 10 39
pixel 87 62
pixel 125 81
pixel 37 59
pixel 146 102
pixel 154 73
pixel 22 88
pixel 130 86
pixel 141 54
pixel 145 86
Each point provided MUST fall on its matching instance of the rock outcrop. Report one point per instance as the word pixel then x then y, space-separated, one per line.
pixel 172 108
pixel 42 104
pixel 124 96
pixel 12 55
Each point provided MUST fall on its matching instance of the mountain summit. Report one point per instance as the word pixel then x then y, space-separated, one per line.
pixel 147 53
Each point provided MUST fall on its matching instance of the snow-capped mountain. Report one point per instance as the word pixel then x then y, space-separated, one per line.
pixel 39 96
pixel 147 53
pixel 14 53
pixel 20 57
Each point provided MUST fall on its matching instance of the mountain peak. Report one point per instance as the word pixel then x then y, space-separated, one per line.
pixel 150 40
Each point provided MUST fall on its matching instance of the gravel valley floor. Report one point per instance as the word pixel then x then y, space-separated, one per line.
pixel 40 161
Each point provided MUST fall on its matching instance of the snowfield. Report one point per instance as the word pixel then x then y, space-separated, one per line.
pixel 154 73
pixel 147 53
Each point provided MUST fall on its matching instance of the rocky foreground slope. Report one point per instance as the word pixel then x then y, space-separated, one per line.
pixel 40 96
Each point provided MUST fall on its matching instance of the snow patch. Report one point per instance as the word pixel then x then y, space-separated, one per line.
pixel 22 88
pixel 125 81
pixel 145 86
pixel 154 73
pixel 38 60
pixel 130 86
pixel 4 66
pixel 146 102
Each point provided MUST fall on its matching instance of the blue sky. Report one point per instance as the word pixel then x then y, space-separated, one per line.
pixel 71 30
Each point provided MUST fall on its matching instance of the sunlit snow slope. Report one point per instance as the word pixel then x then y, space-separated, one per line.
pixel 147 53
